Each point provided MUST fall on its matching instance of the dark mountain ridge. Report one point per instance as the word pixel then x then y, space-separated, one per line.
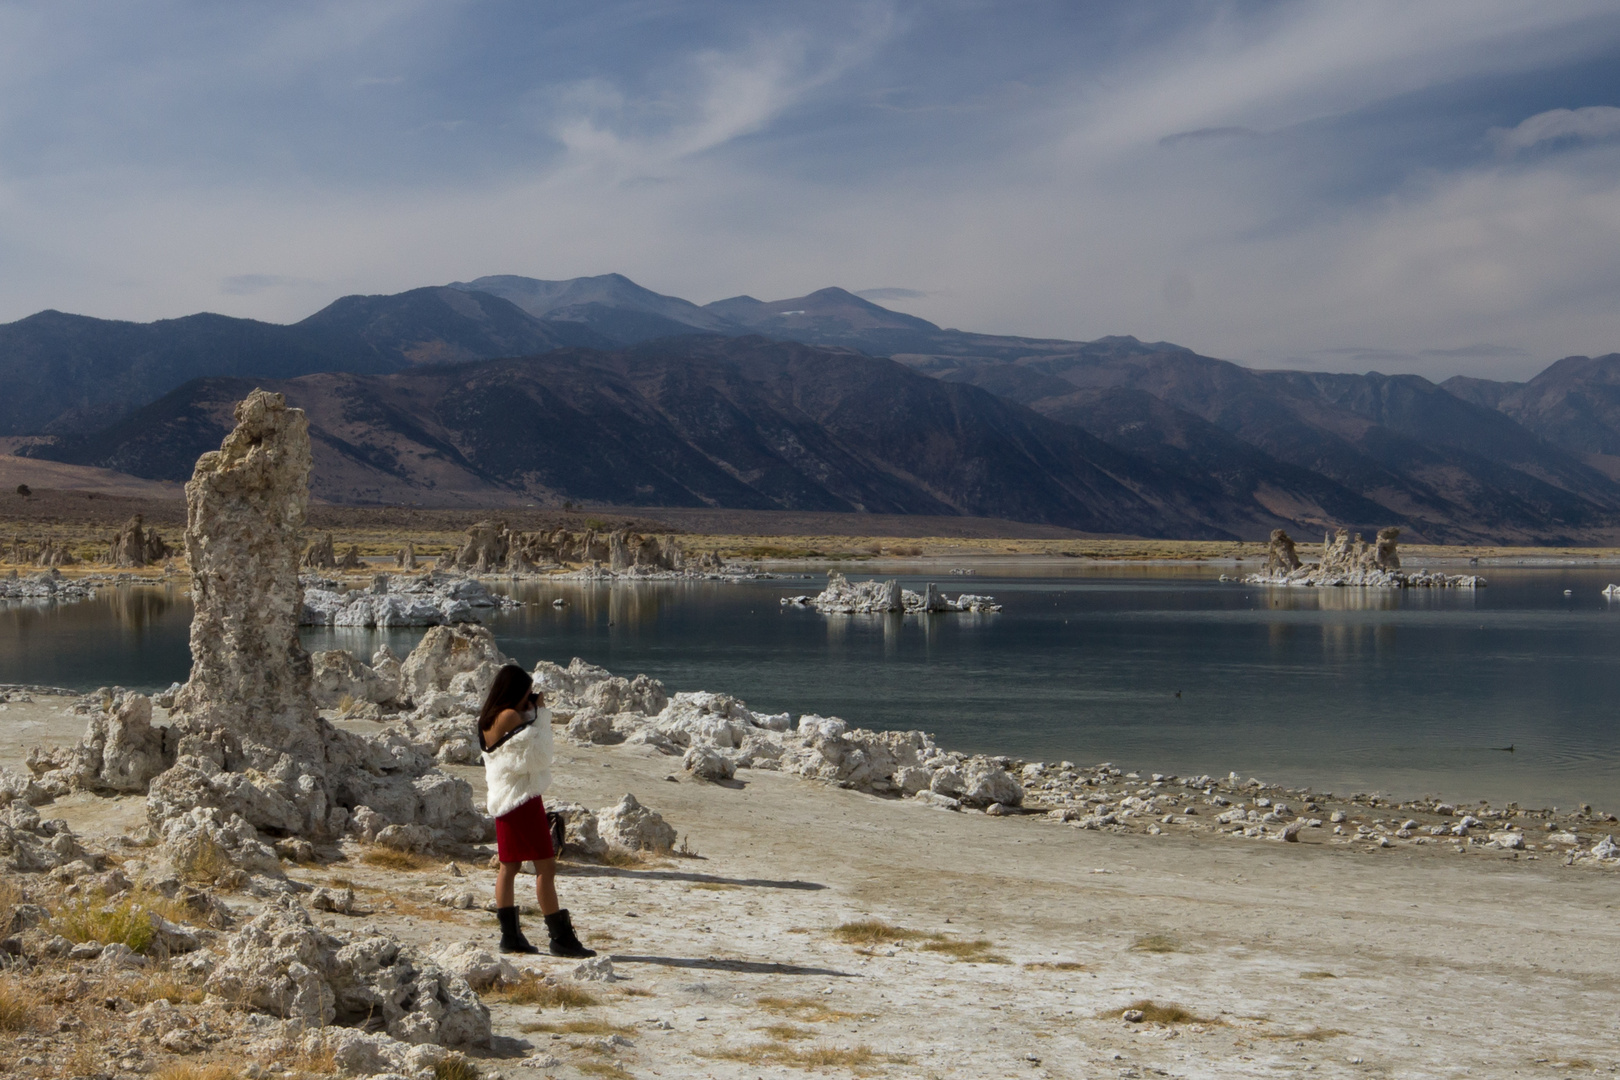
pixel 1210 443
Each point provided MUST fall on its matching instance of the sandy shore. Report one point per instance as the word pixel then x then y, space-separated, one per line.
pixel 1308 958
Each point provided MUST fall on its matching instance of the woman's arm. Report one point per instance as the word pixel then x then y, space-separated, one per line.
pixel 504 722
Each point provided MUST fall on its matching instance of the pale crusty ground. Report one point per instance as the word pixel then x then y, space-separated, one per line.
pixel 1310 958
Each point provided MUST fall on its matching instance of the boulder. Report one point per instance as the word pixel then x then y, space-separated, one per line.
pixel 984 783
pixel 634 827
pixel 481 969
pixel 337 674
pixel 443 653
pixel 706 764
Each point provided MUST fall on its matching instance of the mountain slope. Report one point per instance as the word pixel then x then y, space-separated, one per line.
pixel 611 305
pixel 744 422
pixel 1443 467
pixel 70 374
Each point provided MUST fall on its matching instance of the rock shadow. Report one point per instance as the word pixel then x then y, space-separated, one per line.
pixel 579 870
pixel 746 967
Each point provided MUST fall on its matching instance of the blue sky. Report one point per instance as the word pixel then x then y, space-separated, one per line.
pixel 1427 187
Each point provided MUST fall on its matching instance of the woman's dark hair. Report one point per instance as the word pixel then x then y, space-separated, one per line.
pixel 510 690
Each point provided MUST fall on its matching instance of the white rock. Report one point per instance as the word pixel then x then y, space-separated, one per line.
pixel 596 969
pixel 633 826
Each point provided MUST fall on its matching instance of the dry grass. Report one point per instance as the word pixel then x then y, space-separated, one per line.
pixel 973 952
pixel 455 1067
pixel 530 990
pixel 875 932
pixel 1055 965
pixel 1157 943
pixel 1154 1013
pixel 1319 1034
pixel 432 912
pixel 18 1011
pixel 1317 975
pixel 636 991
pixel 577 1027
pixel 389 859
pixel 807 1010
pixel 126 922
pixel 603 1068
pixel 621 858
pixel 193 1070
pixel 321 1062
pixel 786 1032
pixel 164 985
pixel 714 886
pixel 203 861
pixel 809 1057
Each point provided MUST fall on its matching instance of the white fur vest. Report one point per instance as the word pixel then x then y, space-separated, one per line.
pixel 520 768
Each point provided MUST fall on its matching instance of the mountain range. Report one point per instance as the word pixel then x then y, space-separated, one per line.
pixel 597 389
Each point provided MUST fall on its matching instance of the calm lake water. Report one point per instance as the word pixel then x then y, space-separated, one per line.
pixel 1155 668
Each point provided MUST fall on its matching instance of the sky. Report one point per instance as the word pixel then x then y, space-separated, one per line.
pixel 1402 187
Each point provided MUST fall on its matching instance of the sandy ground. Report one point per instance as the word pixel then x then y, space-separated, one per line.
pixel 1308 958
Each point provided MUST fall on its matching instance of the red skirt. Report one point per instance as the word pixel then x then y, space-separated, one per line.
pixel 523 834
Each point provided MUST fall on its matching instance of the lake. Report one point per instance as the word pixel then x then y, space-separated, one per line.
pixel 1161 668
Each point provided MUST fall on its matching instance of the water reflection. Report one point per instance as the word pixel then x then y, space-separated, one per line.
pixel 1162 667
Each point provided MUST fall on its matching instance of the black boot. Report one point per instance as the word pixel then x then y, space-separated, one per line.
pixel 512 939
pixel 564 942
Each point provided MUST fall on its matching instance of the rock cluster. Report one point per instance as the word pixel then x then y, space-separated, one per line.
pixel 51 586
pixel 883 597
pixel 715 735
pixel 45 553
pixel 433 599
pixel 135 546
pixel 491 547
pixel 321 554
pixel 282 963
pixel 1347 562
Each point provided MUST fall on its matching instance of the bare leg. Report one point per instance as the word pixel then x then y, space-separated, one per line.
pixel 545 886
pixel 505 879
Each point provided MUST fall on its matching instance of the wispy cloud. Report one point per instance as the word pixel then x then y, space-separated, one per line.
pixel 1592 123
pixel 1263 182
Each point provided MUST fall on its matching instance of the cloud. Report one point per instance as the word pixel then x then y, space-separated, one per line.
pixel 1593 123
pixel 1209 134
pixel 253 284
pixel 890 294
pixel 1260 182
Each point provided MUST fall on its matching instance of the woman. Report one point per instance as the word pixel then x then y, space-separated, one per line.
pixel 515 732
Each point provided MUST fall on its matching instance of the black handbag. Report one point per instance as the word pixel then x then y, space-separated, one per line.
pixel 559 831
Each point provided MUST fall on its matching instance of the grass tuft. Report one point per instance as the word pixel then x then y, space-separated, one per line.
pixel 164 985
pixel 807 1010
pixel 193 1070
pixel 603 1068
pixel 714 886
pixel 875 932
pixel 809 1057
pixel 455 1067
pixel 1317 975
pixel 18 1011
pixel 389 859
pixel 530 990
pixel 126 922
pixel 973 952
pixel 1055 965
pixel 1154 1013
pixel 1157 943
